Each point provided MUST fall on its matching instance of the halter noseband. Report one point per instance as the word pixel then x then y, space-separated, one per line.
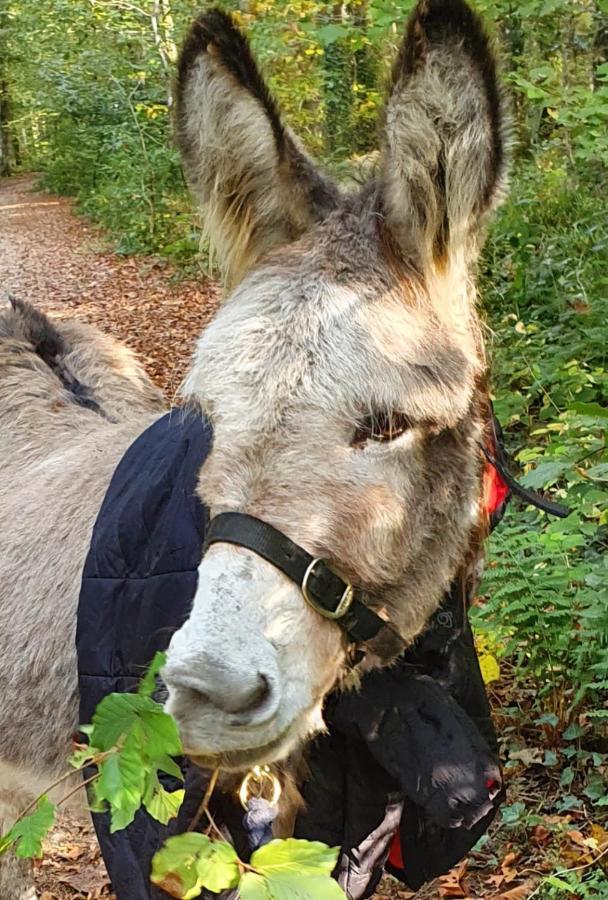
pixel 327 593
pixel 324 591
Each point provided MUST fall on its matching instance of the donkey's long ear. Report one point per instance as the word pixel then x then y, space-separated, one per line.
pixel 445 136
pixel 256 186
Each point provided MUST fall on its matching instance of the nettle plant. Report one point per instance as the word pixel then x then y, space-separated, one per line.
pixel 131 740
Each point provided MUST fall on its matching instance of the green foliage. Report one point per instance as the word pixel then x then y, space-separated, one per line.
pixel 131 740
pixel 189 863
pixel 574 885
pixel 26 835
pixel 545 283
pixel 281 870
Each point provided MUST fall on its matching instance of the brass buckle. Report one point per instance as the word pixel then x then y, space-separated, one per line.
pixel 342 607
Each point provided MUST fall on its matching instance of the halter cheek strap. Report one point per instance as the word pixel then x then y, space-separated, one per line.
pixel 324 590
pixel 327 593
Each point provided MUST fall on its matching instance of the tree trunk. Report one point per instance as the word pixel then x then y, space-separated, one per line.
pixel 364 129
pixel 337 70
pixel 600 46
pixel 6 136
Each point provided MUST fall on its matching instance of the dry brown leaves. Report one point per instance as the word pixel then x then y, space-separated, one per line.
pixel 72 867
pixel 61 263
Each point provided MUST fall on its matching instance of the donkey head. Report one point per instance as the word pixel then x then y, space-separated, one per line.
pixel 344 375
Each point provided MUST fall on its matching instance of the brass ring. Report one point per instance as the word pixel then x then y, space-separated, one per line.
pixel 260 775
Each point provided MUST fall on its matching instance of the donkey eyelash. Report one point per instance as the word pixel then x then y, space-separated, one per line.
pixel 381 428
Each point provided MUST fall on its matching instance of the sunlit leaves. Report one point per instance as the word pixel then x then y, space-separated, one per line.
pixel 190 862
pixel 136 739
pixel 281 870
pixel 306 857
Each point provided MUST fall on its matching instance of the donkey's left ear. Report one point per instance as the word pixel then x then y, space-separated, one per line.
pixel 256 187
pixel 446 136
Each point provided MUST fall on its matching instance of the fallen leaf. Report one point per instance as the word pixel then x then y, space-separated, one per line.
pixel 521 892
pixel 600 836
pixel 578 838
pixel 87 880
pixel 529 756
pixel 541 835
pixel 490 669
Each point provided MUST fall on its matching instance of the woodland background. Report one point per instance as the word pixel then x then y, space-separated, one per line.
pixel 85 99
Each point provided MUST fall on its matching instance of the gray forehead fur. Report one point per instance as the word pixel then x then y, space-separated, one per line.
pixel 327 322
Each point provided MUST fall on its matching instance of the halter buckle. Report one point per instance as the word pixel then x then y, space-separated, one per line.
pixel 345 600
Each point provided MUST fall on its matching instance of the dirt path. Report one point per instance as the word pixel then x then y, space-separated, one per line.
pixel 62 264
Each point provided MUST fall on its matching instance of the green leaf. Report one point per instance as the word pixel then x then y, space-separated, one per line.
pixel 329 34
pixel 593 410
pixel 512 814
pixel 160 733
pixel 219 869
pixel 573 732
pixel 561 885
pixel 147 685
pixel 83 756
pixel 567 776
pixel 595 788
pixel 548 719
pixel 545 474
pixel 254 887
pixel 294 886
pixel 27 834
pixel 118 714
pixel 174 865
pixel 164 805
pixel 6 841
pixel 303 857
pixel 121 783
pixel 599 472
pixel 190 862
pixel 115 716
pixel 169 766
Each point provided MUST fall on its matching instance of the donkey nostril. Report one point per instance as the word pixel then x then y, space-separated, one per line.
pixel 246 696
pixel 259 694
pixel 262 704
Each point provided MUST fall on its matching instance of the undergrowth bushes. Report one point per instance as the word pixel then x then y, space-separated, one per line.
pixel 546 292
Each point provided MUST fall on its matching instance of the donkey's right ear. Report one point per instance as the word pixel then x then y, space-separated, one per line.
pixel 256 186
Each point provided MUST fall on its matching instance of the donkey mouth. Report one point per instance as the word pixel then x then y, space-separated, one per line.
pixel 243 760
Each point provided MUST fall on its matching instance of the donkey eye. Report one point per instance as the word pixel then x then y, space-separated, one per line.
pixel 381 428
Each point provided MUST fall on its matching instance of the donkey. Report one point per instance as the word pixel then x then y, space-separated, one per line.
pixel 344 378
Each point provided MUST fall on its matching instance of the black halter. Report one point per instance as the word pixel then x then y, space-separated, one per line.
pixel 327 593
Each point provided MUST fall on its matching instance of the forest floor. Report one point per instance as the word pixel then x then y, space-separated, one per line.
pixel 63 264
